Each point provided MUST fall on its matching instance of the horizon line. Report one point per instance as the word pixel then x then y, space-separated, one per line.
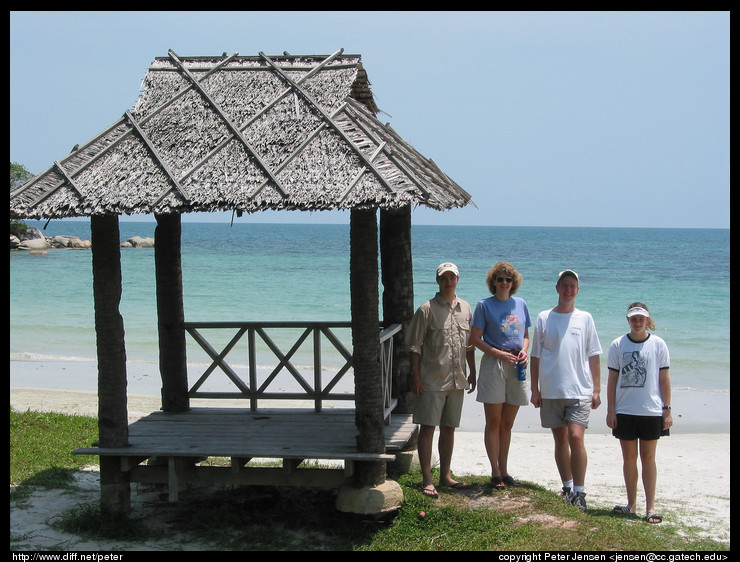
pixel 147 219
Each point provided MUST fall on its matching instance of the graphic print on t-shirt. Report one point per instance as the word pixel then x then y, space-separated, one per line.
pixel 634 372
pixel 510 326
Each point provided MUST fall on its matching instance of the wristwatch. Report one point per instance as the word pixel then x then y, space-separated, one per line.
pixel 666 407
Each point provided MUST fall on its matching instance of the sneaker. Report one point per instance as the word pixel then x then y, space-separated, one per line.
pixel 567 495
pixel 579 500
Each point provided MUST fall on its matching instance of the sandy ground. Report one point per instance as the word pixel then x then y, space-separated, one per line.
pixel 693 478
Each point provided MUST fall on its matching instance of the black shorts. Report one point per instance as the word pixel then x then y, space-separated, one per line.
pixel 647 428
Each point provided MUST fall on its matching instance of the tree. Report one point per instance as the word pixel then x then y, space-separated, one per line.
pixel 18 175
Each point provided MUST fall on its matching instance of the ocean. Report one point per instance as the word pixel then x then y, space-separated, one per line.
pixel 257 272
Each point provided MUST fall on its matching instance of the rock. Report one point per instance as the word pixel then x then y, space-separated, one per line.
pixel 34 244
pixel 61 241
pixel 34 239
pixel 79 243
pixel 375 500
pixel 32 233
pixel 138 242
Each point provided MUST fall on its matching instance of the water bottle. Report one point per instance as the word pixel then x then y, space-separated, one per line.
pixel 521 371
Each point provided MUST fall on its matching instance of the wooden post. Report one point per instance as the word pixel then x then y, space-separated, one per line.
pixel 170 313
pixel 115 490
pixel 366 344
pixel 398 295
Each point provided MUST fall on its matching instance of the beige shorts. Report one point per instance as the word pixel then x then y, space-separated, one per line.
pixel 498 383
pixel 557 412
pixel 442 407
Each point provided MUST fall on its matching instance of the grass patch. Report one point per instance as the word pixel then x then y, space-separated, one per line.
pixel 528 518
pixel 40 446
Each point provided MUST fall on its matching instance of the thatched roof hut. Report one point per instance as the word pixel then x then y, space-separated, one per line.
pixel 243 134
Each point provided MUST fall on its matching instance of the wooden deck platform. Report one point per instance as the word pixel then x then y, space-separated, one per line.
pixel 180 442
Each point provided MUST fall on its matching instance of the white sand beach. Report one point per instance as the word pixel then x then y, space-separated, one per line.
pixel 693 463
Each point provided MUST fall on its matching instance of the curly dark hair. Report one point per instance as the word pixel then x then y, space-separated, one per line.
pixel 503 268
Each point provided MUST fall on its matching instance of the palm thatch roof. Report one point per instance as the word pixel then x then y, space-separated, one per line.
pixel 242 133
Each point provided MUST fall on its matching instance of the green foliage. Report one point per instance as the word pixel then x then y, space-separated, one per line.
pixel 18 175
pixel 41 443
pixel 18 229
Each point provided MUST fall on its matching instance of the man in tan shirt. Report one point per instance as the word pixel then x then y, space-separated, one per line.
pixel 438 341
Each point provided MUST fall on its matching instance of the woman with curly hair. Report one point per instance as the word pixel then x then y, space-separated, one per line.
pixel 501 331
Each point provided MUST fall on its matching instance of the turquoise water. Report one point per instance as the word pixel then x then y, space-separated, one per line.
pixel 257 272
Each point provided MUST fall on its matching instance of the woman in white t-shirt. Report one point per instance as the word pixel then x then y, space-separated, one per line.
pixel 639 404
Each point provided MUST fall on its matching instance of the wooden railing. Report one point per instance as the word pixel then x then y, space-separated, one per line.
pixel 316 391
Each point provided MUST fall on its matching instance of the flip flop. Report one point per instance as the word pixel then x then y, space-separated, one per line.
pixel 621 510
pixel 458 486
pixel 430 493
pixel 653 518
pixel 497 483
pixel 509 481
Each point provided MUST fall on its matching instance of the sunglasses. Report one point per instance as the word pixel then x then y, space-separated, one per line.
pixel 502 279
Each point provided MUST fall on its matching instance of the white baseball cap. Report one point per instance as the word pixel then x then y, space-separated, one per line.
pixel 447 266
pixel 567 272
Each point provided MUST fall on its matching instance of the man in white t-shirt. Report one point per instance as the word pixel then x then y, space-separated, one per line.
pixel 565 373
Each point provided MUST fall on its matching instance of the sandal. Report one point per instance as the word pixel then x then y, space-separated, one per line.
pixel 653 518
pixel 621 510
pixel 497 483
pixel 509 481
pixel 458 486
pixel 430 492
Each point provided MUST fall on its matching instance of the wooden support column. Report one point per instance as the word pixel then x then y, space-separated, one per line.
pixel 398 295
pixel 170 313
pixel 366 344
pixel 115 490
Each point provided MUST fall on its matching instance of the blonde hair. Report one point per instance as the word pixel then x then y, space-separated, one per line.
pixel 650 323
pixel 503 267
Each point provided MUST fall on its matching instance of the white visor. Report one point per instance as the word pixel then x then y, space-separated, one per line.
pixel 637 310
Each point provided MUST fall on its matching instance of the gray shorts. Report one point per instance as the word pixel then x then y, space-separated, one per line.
pixel 498 383
pixel 556 412
pixel 443 407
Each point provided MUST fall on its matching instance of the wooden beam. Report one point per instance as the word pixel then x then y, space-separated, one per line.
pixel 254 476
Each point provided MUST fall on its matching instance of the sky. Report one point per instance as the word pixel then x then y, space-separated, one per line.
pixel 546 118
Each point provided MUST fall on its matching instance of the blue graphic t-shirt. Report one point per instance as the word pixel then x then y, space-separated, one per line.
pixel 503 322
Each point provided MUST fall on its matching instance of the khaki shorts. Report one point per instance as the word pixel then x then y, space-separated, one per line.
pixel 498 383
pixel 556 412
pixel 443 407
